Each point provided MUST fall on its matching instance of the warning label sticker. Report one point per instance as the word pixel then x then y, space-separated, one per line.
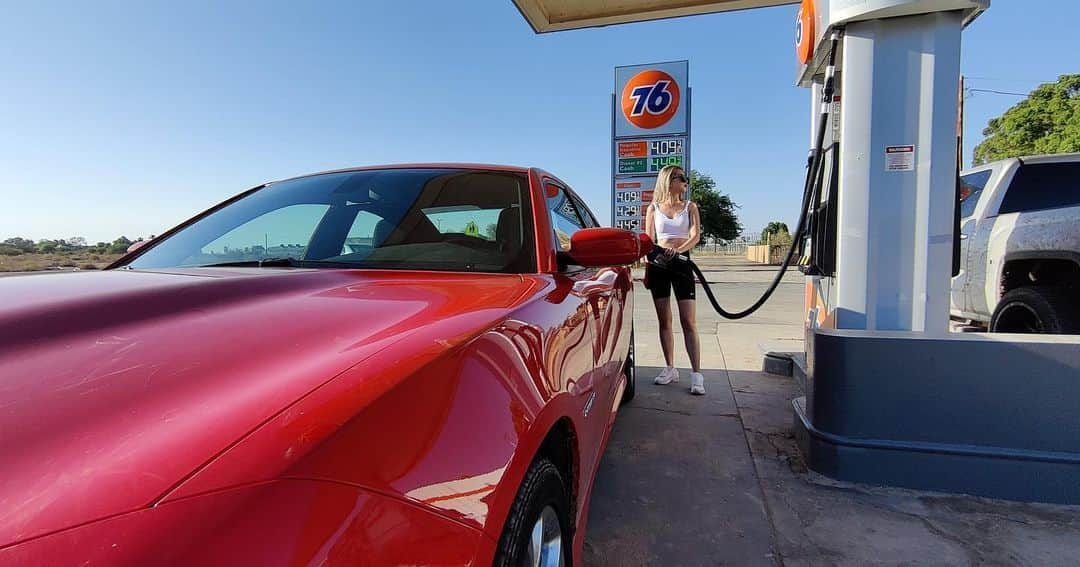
pixel 899 158
pixel 835 112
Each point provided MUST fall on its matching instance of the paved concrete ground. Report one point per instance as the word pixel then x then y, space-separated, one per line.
pixel 719 481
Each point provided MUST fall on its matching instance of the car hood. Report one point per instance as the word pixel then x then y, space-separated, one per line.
pixel 115 386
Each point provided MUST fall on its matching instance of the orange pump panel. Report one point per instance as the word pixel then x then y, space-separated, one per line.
pixel 804 32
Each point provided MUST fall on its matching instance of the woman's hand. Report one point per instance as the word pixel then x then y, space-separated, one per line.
pixel 670 253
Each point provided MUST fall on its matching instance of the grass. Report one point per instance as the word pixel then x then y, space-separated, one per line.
pixel 38 262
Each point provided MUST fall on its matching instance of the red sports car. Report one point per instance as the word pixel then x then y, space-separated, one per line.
pixel 407 365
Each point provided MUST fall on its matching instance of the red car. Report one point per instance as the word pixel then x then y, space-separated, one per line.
pixel 407 365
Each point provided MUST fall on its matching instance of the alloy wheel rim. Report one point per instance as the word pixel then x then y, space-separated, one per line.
pixel 545 544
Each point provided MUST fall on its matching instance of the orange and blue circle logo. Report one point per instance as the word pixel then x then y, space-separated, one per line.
pixel 650 99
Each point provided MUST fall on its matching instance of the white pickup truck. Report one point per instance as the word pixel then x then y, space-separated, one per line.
pixel 1020 246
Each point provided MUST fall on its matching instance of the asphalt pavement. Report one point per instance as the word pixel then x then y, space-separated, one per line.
pixel 718 480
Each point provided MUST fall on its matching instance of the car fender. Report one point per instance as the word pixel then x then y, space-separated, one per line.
pixel 285 522
pixel 562 407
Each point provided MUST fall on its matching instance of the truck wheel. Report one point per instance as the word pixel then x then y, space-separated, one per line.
pixel 1037 309
pixel 630 371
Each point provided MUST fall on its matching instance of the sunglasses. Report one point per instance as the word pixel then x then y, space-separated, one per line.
pixel 680 177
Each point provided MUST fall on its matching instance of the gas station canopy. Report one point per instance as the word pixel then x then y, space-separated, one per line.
pixel 558 15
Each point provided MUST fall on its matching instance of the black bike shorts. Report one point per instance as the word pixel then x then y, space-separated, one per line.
pixel 677 275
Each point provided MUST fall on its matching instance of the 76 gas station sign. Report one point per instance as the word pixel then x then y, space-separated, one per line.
pixel 650 130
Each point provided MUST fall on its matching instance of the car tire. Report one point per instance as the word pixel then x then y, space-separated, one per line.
pixel 1036 309
pixel 537 524
pixel 630 371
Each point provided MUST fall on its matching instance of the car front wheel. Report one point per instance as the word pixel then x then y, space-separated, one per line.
pixel 536 532
pixel 1036 309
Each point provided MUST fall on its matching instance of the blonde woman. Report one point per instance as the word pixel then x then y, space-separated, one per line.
pixel 674 223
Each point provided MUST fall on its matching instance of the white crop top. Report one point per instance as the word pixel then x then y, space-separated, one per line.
pixel 666 227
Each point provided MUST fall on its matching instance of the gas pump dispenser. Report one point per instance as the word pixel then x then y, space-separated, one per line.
pixel 892 397
pixel 880 238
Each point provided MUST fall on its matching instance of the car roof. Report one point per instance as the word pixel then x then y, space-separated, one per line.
pixel 449 165
pixel 1054 158
pixel 1046 158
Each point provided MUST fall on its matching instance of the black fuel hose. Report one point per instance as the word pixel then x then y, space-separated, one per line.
pixel 657 258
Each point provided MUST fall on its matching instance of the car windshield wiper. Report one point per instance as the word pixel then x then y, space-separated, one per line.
pixel 281 262
pixel 270 262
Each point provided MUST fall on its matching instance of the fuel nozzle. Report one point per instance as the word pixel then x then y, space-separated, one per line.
pixel 645 244
pixel 661 257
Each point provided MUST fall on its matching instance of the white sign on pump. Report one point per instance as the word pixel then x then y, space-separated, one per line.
pixel 900 158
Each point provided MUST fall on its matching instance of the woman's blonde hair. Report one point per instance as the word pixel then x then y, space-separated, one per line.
pixel 662 191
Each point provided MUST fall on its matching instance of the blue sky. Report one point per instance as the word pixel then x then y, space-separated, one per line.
pixel 128 117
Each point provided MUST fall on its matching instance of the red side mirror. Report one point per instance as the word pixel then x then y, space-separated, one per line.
pixel 136 245
pixel 598 247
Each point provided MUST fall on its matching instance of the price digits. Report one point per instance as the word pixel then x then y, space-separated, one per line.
pixel 665 147
pixel 656 164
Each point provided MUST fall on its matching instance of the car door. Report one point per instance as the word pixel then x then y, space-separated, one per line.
pixel 608 308
pixel 990 227
pixel 972 186
pixel 585 296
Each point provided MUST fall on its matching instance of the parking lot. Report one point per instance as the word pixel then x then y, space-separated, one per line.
pixel 719 480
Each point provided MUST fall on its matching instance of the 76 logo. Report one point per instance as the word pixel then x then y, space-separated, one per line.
pixel 650 99
pixel 655 98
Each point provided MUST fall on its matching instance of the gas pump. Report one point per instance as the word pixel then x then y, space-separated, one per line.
pixel 892 397
pixel 881 237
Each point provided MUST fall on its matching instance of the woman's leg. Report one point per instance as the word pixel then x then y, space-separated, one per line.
pixel 667 337
pixel 685 294
pixel 688 318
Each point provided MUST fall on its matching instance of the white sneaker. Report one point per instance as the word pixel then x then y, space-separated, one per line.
pixel 697 384
pixel 667 376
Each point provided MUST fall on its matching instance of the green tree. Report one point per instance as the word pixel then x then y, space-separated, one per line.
pixel 46 246
pixel 120 245
pixel 22 244
pixel 718 218
pixel 1046 122
pixel 776 233
pixel 491 231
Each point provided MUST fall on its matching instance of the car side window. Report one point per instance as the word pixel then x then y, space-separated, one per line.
pixel 586 215
pixel 565 217
pixel 1043 186
pixel 971 188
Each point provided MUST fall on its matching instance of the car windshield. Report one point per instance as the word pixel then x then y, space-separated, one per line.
pixel 421 219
